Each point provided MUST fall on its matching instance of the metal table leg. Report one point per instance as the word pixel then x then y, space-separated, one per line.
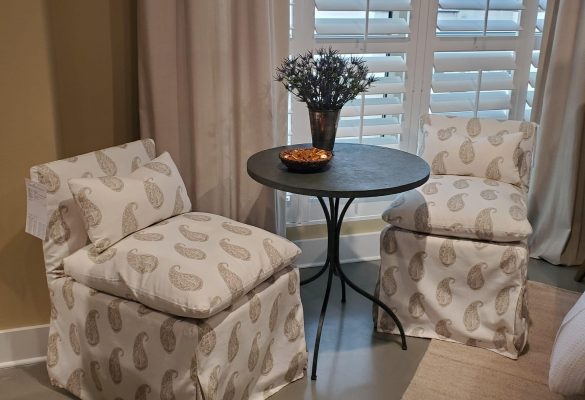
pixel 334 220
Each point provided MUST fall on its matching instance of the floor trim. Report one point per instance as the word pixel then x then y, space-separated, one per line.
pixel 25 345
pixel 352 248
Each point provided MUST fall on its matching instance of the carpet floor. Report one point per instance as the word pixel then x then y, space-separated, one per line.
pixel 456 372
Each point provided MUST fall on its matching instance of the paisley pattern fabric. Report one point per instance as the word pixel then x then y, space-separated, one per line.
pixel 461 155
pixel 472 146
pixel 126 204
pixel 464 291
pixel 193 265
pixel 465 207
pixel 454 259
pixel 66 231
pixel 151 355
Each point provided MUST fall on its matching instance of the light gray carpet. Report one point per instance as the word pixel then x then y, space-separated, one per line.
pixel 354 362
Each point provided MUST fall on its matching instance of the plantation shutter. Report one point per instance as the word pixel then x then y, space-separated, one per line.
pixel 378 31
pixel 481 60
pixel 457 57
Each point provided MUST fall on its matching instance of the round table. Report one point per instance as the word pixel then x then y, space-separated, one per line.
pixel 356 170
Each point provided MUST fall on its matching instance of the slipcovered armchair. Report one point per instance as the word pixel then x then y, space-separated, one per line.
pixel 150 300
pixel 454 256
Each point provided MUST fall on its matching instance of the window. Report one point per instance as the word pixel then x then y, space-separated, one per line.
pixel 457 57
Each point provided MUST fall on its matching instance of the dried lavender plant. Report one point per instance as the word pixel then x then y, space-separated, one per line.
pixel 324 79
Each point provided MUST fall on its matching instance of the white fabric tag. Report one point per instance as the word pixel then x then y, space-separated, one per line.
pixel 36 209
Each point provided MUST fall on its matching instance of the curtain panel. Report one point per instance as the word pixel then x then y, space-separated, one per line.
pixel 207 95
pixel 557 198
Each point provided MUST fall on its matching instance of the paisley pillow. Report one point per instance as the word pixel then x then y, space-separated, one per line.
pixel 192 265
pixel 114 207
pixel 492 157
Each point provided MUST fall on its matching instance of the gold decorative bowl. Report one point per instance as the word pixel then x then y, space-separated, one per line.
pixel 305 159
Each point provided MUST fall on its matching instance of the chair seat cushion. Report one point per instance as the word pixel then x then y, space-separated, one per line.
pixel 466 207
pixel 193 265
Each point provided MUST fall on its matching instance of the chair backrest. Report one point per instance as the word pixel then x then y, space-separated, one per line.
pixel 482 127
pixel 65 231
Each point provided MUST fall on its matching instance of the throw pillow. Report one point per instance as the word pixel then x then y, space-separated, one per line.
pixel 492 157
pixel 114 207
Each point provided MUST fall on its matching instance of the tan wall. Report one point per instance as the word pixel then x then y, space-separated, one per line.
pixel 68 86
pixel 27 136
pixel 96 86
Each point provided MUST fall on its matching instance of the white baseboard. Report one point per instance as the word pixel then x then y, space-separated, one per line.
pixel 26 345
pixel 352 248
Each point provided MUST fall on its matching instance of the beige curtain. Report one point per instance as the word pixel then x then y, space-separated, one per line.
pixel 557 199
pixel 207 96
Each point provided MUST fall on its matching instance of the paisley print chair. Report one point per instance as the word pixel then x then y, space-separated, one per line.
pixel 454 255
pixel 110 339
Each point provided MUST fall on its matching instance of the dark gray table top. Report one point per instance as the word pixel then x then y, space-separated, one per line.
pixel 356 170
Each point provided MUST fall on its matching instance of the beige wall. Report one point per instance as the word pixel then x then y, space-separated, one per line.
pixel 94 49
pixel 68 85
pixel 27 136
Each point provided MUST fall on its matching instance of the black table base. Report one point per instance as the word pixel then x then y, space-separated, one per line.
pixel 356 171
pixel 333 266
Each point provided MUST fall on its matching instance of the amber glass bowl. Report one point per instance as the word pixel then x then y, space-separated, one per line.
pixel 305 159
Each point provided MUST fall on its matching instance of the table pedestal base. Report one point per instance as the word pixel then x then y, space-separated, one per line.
pixel 333 266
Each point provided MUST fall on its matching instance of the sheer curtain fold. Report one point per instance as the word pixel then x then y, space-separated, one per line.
pixel 557 198
pixel 207 96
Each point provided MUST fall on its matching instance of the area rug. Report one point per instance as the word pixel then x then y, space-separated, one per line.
pixel 456 372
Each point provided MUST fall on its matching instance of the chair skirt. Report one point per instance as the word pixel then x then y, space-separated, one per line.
pixel 459 290
pixel 105 347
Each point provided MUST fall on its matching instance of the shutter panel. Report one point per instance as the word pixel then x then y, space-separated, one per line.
pixel 471 82
pixel 377 115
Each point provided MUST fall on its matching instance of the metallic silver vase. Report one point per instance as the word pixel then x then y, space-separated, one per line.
pixel 324 127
